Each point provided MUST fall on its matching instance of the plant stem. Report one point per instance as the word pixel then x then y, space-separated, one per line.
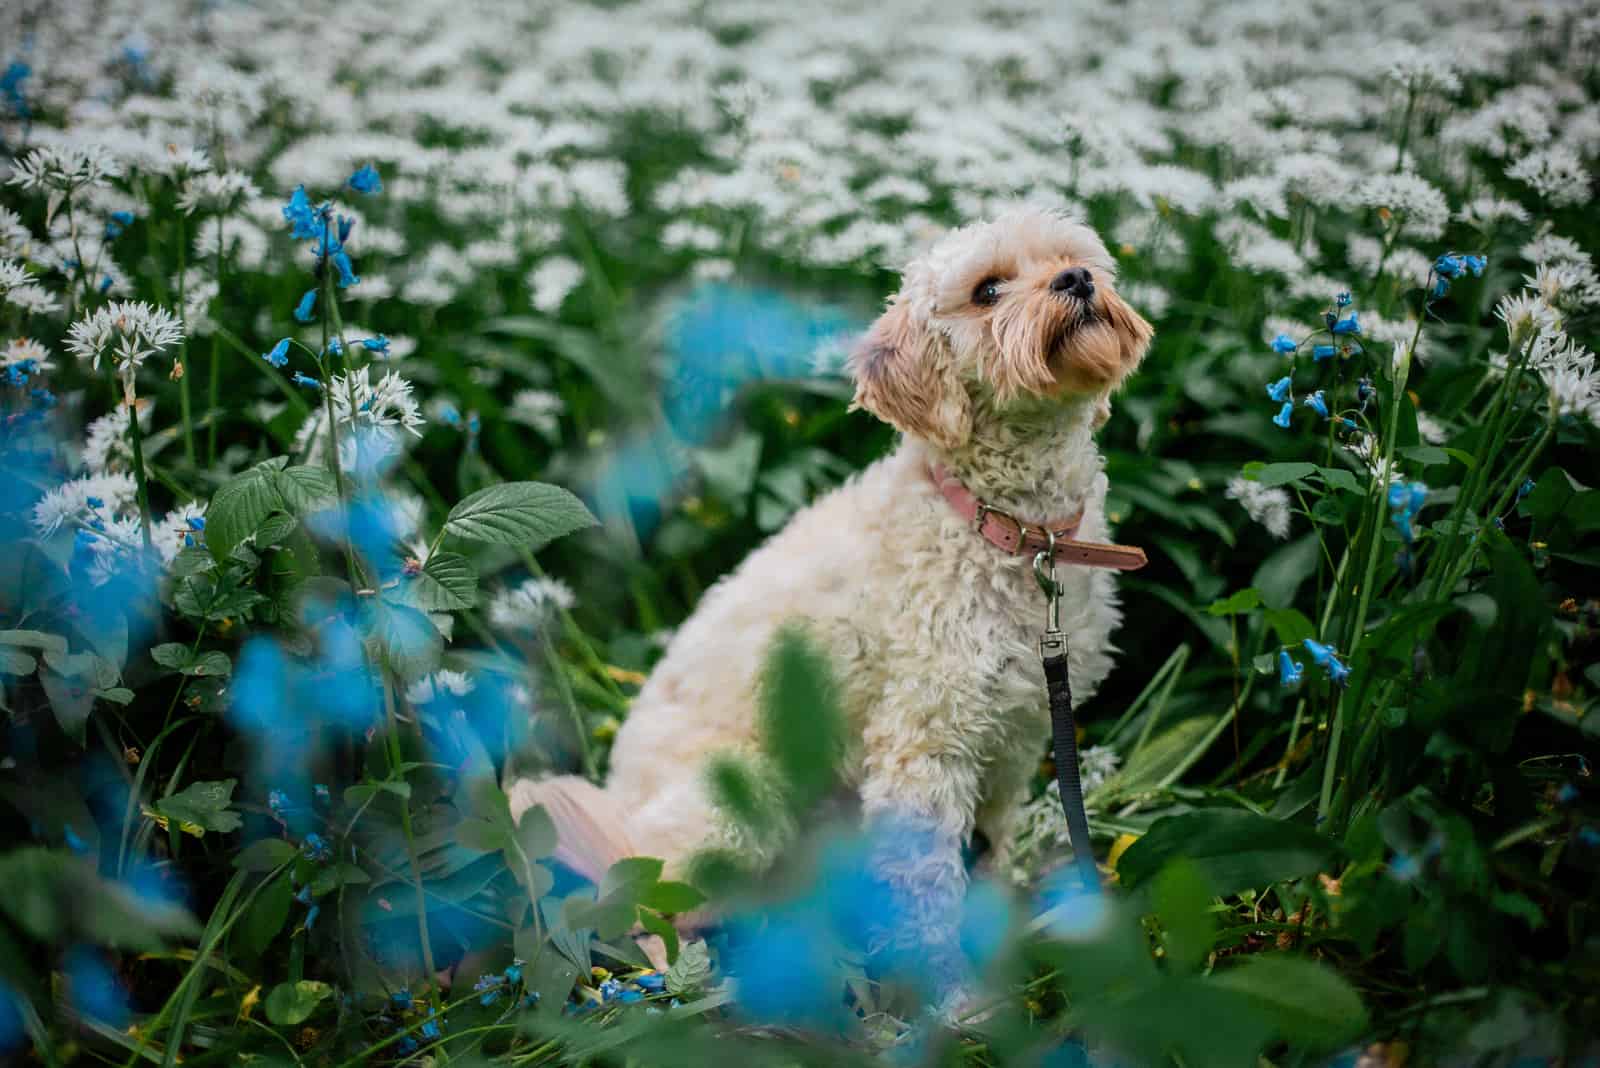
pixel 136 440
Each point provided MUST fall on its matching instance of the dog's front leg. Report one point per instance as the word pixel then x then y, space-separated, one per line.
pixel 919 807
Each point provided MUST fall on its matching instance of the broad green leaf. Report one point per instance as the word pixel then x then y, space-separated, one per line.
pixel 1280 575
pixel 174 655
pixel 71 700
pixel 691 970
pixel 1291 626
pixel 662 928
pixel 1282 474
pixel 304 489
pixel 447 582
pixel 203 805
pixel 1337 478
pixel 211 664
pixel 536 833
pixel 238 508
pixel 35 639
pixel 290 1004
pixel 1236 604
pixel 1427 455
pixel 672 897
pixel 1233 850
pixel 265 917
pixel 274 529
pixel 625 879
pixel 264 855
pixel 44 892
pixel 1311 1004
pixel 802 727
pixel 528 514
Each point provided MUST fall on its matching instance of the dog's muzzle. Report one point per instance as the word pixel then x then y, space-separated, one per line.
pixel 1073 282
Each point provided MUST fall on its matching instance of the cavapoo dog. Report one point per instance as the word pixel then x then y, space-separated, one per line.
pixel 996 360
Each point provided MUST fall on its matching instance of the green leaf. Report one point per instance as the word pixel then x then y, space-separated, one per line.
pixel 1282 474
pixel 672 897
pixel 203 805
pixel 1291 626
pixel 274 529
pixel 238 508
pixel 35 639
pixel 529 514
pixel 662 928
pixel 264 855
pixel 1337 478
pixel 70 700
pixel 212 664
pixel 13 662
pixel 1427 455
pixel 624 880
pixel 1233 850
pixel 1236 604
pixel 1280 575
pixel 691 970
pixel 536 833
pixel 265 918
pixel 290 1004
pixel 1311 1004
pixel 174 655
pixel 447 582
pixel 802 727
pixel 44 892
pixel 304 489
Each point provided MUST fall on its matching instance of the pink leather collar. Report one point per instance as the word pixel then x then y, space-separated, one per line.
pixel 1012 535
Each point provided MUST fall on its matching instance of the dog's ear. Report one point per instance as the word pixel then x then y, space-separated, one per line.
pixel 1133 332
pixel 906 377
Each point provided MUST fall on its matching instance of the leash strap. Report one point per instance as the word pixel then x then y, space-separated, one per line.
pixel 1054 655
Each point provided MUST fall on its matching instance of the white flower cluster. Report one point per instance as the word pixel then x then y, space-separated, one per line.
pixel 127 333
pixel 529 606
pixel 1267 505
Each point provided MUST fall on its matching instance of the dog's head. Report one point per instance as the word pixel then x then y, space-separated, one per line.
pixel 1021 307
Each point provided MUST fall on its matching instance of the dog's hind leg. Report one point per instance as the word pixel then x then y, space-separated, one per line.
pixel 591 828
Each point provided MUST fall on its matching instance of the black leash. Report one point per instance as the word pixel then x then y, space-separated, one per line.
pixel 1053 653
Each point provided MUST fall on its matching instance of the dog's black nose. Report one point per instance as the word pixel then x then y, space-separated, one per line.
pixel 1074 281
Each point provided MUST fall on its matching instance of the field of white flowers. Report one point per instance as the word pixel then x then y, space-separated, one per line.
pixel 384 381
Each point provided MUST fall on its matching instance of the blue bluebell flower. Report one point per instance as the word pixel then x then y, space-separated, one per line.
pixel 489 988
pixel 1343 299
pixel 74 843
pixel 1328 660
pixel 279 356
pixel 366 180
pixel 316 848
pixel 106 283
pixel 11 81
pixel 305 380
pixel 42 397
pixel 1284 344
pixel 1475 264
pixel 406 1046
pixel 651 982
pixel 1350 324
pixel 401 999
pixel 304 220
pixel 1448 265
pixel 305 311
pixel 1323 352
pixel 1290 671
pixel 514 972
pixel 1282 418
pixel 1281 390
pixel 1317 403
pixel 335 348
pixel 346 226
pixel 347 274
pixel 196 523
pixel 119 221
pixel 378 345
pixel 95 990
pixel 1526 488
pixel 277 803
pixel 429 1032
pixel 1364 391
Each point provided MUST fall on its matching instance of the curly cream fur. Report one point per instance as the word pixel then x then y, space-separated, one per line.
pixel 932 630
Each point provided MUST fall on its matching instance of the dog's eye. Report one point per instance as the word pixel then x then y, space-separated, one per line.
pixel 986 292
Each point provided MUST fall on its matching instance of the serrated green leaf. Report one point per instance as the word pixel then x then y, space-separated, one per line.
pixel 662 928
pixel 672 897
pixel 306 489
pixel 238 508
pixel 447 582
pixel 691 970
pixel 174 655
pixel 203 805
pixel 528 514
pixel 210 664
pixel 627 878
pixel 275 528
pixel 1310 1003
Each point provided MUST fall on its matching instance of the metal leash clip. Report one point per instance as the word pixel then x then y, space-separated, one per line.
pixel 1052 642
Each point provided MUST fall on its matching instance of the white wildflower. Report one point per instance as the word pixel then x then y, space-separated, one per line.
pixel 441 683
pixel 127 333
pixel 551 282
pixel 539 409
pixel 528 605
pixel 63 168
pixel 1555 173
pixel 106 449
pixel 1526 316
pixel 216 193
pixel 1267 505
pixel 1420 209
pixel 25 350
pixel 82 499
pixel 182 528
